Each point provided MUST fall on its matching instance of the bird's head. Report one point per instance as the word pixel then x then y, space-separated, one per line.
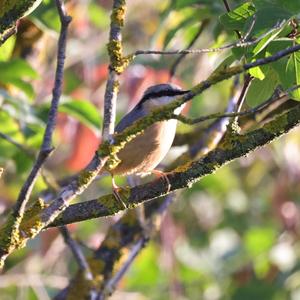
pixel 159 95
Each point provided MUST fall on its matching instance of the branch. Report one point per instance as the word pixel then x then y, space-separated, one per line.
pixel 117 66
pixel 237 44
pixel 46 148
pixel 107 155
pixel 228 10
pixel 7 34
pixel 166 112
pixel 124 240
pixel 77 253
pixel 255 110
pixel 232 147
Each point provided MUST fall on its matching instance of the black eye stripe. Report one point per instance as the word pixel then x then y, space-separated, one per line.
pixel 165 93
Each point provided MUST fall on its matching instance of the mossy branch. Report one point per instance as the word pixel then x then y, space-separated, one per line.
pixel 13 10
pixel 236 146
pixel 164 113
pixel 232 147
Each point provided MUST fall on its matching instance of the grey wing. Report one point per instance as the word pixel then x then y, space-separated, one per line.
pixel 130 118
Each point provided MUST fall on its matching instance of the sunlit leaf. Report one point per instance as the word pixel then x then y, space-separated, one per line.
pixel 7 48
pixel 257 73
pixel 293 73
pixel 236 19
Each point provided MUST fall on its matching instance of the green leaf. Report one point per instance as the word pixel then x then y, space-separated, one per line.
pixel 267 16
pixel 236 19
pixel 287 68
pixel 293 74
pixel 84 111
pixel 24 86
pixel 16 72
pixel 10 127
pixel 257 73
pixel 293 6
pixel 261 90
pixel 225 63
pixel 16 69
pixel 46 17
pixel 266 41
pixel 7 48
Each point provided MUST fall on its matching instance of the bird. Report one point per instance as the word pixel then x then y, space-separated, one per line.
pixel 141 155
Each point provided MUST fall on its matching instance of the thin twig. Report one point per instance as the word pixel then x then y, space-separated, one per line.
pixel 237 44
pixel 228 10
pixel 212 135
pixel 193 41
pixel 226 5
pixel 110 286
pixel 77 253
pixel 8 34
pixel 46 148
pixel 257 109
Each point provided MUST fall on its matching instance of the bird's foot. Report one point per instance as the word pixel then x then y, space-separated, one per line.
pixel 159 174
pixel 117 194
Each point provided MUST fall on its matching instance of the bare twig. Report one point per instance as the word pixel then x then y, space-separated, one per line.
pixel 226 5
pixel 257 109
pixel 215 132
pixel 77 253
pixel 228 10
pixel 193 41
pixel 110 286
pixel 46 147
pixel 237 44
pixel 8 34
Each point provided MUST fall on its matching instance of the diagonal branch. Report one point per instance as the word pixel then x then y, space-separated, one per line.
pixel 46 147
pixel 166 112
pixel 232 147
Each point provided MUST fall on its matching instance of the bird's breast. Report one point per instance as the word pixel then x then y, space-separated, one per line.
pixel 147 150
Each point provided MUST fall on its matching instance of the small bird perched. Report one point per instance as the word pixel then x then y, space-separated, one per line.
pixel 142 154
